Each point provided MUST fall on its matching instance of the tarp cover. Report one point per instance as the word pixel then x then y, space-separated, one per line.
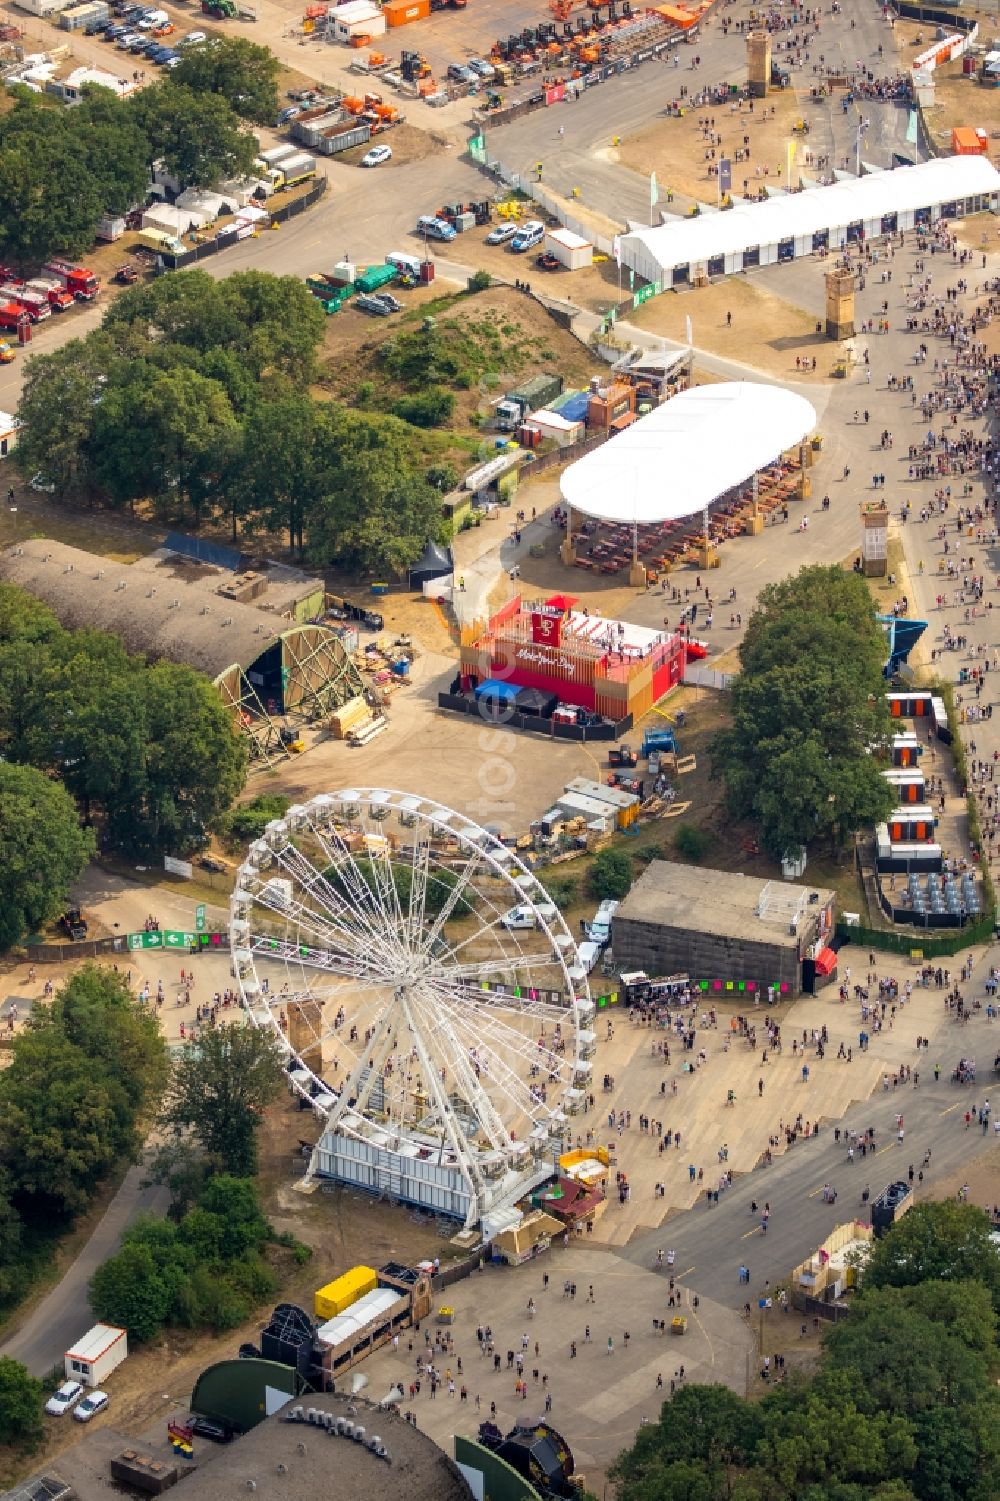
pixel 434 563
pixel 683 455
pixel 505 693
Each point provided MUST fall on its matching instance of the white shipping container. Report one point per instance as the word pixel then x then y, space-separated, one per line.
pixel 92 1359
pixel 110 228
pixel 42 7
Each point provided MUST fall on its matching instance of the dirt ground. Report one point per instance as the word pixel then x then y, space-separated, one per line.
pixel 766 331
pixel 674 148
pixel 960 99
pixel 409 144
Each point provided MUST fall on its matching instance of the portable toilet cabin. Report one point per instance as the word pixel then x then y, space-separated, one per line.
pixel 908 786
pixel 916 822
pixel 906 749
pixel 913 705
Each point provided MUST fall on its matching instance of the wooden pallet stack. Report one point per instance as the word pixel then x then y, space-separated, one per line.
pixel 350 716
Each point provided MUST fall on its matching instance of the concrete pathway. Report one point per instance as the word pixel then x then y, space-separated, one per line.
pixel 64 1314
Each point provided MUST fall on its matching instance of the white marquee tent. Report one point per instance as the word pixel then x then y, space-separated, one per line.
pixel 682 456
pixel 793 224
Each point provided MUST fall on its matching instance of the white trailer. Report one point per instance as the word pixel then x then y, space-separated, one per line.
pixel 92 1359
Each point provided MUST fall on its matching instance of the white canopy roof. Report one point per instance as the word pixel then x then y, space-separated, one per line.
pixel 686 453
pixel 787 216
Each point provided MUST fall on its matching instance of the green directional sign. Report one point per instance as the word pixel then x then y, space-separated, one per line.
pixel 199 917
pixel 644 294
pixel 171 939
pixel 175 940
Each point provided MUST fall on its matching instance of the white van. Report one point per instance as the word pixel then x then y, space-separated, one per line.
pixel 529 235
pixel 517 918
pixel 409 264
pixel 587 955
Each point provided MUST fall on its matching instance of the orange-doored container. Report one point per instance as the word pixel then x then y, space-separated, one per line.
pixel 400 12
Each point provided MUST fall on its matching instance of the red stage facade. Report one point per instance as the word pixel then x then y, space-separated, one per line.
pixel 607 666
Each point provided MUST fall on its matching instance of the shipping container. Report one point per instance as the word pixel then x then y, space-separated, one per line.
pixel 42 7
pixel 297 167
pixel 331 1300
pixel 307 132
pixel 92 1359
pixel 336 141
pixel 914 705
pixel 275 155
pixel 538 391
pixel 402 12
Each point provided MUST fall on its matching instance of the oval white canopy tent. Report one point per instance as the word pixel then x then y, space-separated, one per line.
pixel 688 452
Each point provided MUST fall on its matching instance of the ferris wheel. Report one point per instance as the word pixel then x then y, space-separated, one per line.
pixel 427 993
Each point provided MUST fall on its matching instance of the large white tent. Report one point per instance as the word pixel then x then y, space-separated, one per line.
pixel 682 456
pixel 789 225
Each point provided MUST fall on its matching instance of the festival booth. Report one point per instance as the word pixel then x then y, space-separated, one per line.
pixel 608 667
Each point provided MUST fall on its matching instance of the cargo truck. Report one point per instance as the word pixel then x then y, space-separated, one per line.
pixel 527 397
pixel 276 154
pixel 296 169
pixel 79 280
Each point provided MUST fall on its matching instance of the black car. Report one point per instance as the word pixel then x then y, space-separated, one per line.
pixel 219 1433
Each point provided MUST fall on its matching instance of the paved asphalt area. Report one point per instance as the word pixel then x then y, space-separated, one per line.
pixel 712 1241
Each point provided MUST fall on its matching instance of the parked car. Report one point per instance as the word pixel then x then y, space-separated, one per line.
pixel 219 1433
pixel 42 484
pixel 290 113
pixel 501 234
pixel 376 156
pixel 92 1404
pixel 62 1400
pixel 191 38
pixel 518 919
pixel 528 235
pixel 171 62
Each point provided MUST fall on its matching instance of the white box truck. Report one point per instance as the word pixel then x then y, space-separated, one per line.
pixel 94 1356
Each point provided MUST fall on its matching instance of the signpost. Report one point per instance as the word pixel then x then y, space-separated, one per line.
pixel 199 917
pixel 170 939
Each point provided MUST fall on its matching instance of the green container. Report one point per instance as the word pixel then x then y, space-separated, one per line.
pixel 373 278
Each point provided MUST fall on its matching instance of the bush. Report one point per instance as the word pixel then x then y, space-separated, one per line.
pixel 563 890
pixel 480 281
pixel 428 408
pixel 249 820
pixel 691 843
pixel 611 875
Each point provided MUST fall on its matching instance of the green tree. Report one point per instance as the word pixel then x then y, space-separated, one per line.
pixel 113 147
pixel 611 874
pixel 130 1290
pixel 376 511
pixel 21 1398
pixel 692 842
pixel 280 477
pixel 196 135
pixel 43 849
pixel 242 73
pixel 234 1203
pixel 59 398
pixel 219 1091
pixel 97 1012
pixel 49 198
pixel 249 820
pixel 10 1239
pixel 195 762
pixel 807 707
pixel 937 1241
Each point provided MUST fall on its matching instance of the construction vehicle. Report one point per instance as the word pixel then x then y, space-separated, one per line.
pixel 126 276
pixel 414 66
pixel 74 924
pixel 227 10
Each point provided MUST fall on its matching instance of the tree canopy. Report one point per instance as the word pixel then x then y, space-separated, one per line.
pixel 903 1406
pixel 83 1073
pixel 205 1269
pixel 193 397
pixel 42 850
pixel 149 752
pixel 238 71
pixel 219 1090
pixel 61 170
pixel 808 706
